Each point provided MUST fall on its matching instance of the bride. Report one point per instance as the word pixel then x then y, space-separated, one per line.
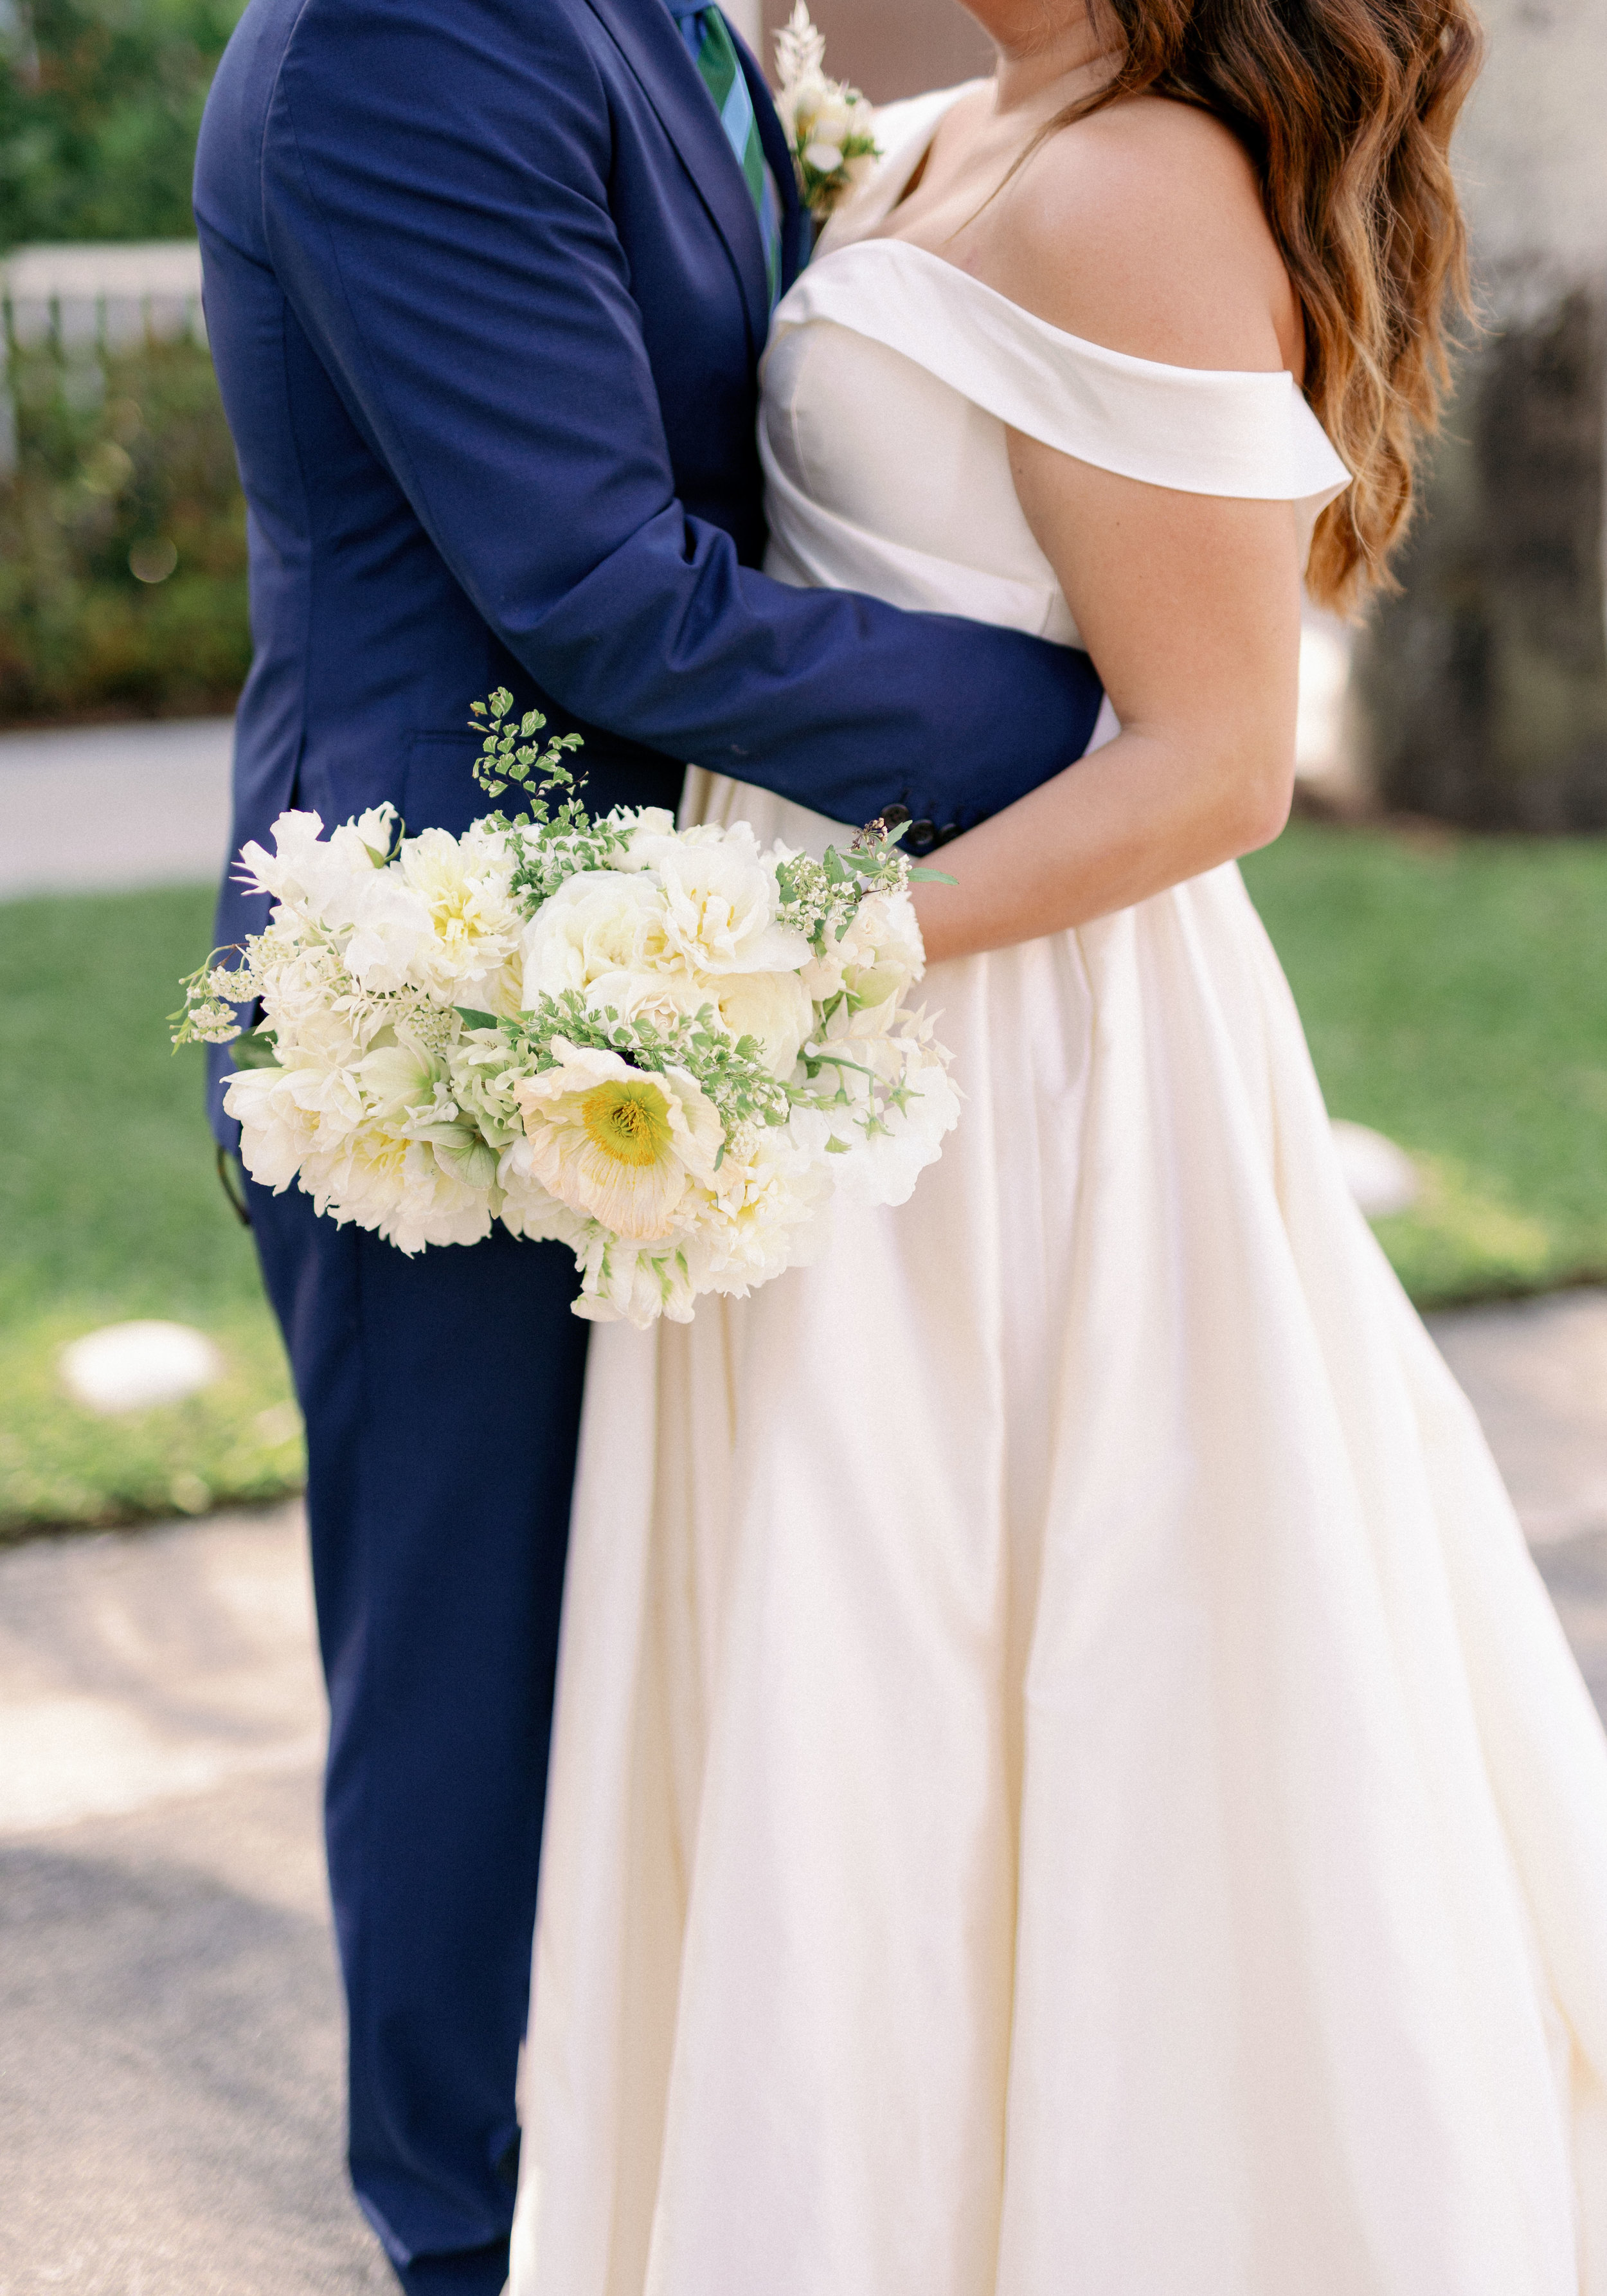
pixel 1066 1782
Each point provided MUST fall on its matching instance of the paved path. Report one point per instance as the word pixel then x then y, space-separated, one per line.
pixel 94 806
pixel 170 2038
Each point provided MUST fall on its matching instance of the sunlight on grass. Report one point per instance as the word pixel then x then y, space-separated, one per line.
pixel 1455 993
pixel 109 1209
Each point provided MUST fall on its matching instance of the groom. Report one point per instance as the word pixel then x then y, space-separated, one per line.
pixel 486 283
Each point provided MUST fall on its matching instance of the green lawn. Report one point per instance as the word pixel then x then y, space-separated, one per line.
pixel 109 1208
pixel 1455 991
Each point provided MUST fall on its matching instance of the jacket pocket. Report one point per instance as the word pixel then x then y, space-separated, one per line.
pixel 439 788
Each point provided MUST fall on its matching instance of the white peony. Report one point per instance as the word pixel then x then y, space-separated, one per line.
pixel 720 903
pixel 618 1143
pixel 648 824
pixel 475 924
pixel 599 922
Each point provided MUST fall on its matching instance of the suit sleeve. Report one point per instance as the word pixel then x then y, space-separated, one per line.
pixel 435 198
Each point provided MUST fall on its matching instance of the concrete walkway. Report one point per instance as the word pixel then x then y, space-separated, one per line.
pixel 93 808
pixel 170 2032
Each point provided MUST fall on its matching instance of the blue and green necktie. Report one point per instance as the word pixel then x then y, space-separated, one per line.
pixel 714 52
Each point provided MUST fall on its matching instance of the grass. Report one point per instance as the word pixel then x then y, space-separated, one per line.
pixel 110 1209
pixel 1455 991
pixel 1455 994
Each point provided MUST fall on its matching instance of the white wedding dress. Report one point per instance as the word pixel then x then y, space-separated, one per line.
pixel 1066 1781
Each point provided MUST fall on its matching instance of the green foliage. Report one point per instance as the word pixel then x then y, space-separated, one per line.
pixel 1455 994
pixel 100 103
pixel 109 1208
pixel 123 463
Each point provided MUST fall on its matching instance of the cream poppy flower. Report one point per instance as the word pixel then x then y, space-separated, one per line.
pixel 623 1144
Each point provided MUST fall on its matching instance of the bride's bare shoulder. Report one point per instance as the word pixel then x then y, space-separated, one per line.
pixel 1142 227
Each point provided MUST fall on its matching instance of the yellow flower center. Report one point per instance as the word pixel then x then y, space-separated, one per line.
pixel 627 1122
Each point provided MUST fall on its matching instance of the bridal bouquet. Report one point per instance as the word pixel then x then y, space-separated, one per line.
pixel 665 1048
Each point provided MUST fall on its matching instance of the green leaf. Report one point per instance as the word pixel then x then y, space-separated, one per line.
pixel 257 1051
pixel 472 1018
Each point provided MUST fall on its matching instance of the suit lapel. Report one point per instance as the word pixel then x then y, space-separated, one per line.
pixel 646 33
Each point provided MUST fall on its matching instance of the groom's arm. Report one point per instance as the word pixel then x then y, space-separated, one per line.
pixel 434 183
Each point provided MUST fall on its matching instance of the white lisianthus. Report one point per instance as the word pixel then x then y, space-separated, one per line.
pixel 621 1144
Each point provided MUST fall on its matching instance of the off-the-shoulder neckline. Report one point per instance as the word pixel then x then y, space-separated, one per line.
pixel 1018 315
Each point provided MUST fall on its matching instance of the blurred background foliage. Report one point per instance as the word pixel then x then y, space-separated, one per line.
pixel 98 108
pixel 122 529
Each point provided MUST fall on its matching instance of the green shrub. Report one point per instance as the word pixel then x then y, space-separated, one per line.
pixel 125 469
pixel 100 103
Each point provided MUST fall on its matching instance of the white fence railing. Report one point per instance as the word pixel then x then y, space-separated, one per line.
pixel 91 301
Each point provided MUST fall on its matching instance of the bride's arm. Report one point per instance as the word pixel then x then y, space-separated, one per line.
pixel 1189 605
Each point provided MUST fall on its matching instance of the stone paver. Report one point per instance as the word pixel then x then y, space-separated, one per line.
pixel 99 807
pixel 171 2035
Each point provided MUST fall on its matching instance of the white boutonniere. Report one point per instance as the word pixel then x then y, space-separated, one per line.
pixel 830 127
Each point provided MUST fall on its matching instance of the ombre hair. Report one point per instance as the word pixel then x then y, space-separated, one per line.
pixel 1346 109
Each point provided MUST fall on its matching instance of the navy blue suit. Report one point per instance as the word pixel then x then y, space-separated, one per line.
pixel 485 292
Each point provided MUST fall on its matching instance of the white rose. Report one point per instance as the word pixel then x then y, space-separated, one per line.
pixel 773 1007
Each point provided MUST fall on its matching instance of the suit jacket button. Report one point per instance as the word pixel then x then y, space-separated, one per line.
pixel 923 836
pixel 894 814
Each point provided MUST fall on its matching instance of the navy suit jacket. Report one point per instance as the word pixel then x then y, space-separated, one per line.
pixel 486 294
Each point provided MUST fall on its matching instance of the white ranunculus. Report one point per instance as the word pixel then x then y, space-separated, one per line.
pixel 599 921
pixel 823 156
pixel 618 1143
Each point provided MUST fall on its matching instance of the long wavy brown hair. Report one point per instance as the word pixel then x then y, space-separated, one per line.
pixel 1346 109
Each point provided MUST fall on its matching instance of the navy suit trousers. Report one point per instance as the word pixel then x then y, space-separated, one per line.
pixel 442 1397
